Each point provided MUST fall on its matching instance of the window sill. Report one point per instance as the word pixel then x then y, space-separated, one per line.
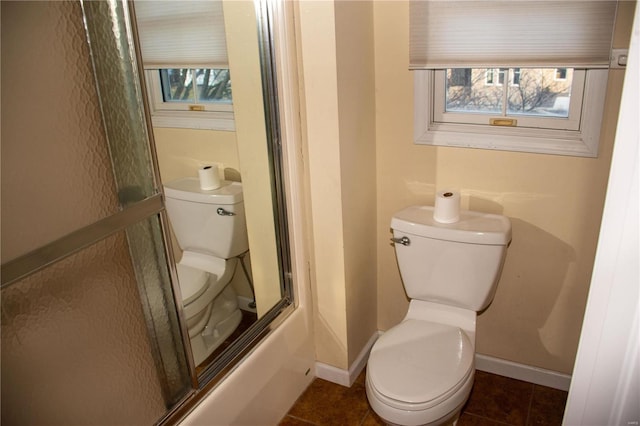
pixel 469 136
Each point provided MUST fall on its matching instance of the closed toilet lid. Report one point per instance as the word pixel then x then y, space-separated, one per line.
pixel 193 282
pixel 419 361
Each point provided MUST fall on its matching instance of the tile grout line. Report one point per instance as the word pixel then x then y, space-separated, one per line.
pixel 526 420
pixel 302 420
pixel 366 413
pixel 489 419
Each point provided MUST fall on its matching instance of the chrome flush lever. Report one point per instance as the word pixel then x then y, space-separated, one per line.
pixel 405 241
pixel 223 212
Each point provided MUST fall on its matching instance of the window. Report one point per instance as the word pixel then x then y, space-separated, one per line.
pixel 197 98
pixel 524 90
pixel 515 77
pixel 513 118
pixel 533 96
pixel 191 89
pixel 492 76
pixel 184 54
pixel 203 86
pixel 489 78
pixel 561 74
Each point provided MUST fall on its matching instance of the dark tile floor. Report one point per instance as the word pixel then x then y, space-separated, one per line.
pixel 495 400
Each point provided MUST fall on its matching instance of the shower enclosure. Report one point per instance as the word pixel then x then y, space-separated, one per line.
pixel 91 332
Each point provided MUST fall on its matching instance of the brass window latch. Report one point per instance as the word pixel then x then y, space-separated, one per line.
pixel 509 122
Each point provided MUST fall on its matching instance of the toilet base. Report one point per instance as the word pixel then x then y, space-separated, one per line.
pixel 445 413
pixel 451 420
pixel 225 318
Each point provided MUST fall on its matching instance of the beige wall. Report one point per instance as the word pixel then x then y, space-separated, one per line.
pixel 181 152
pixel 554 202
pixel 318 54
pixel 356 106
pixel 337 61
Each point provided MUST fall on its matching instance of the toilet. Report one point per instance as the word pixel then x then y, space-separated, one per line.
pixel 420 372
pixel 210 228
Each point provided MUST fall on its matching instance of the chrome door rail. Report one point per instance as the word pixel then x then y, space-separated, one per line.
pixel 39 258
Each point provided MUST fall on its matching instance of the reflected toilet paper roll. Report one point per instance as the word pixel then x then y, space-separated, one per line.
pixel 209 177
pixel 447 207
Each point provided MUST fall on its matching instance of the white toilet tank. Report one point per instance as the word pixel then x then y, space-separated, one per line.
pixel 210 222
pixel 451 263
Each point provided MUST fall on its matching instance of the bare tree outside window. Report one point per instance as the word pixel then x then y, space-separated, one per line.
pixel 509 91
pixel 211 85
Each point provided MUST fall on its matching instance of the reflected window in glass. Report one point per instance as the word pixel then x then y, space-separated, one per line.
pixel 199 98
pixel 212 86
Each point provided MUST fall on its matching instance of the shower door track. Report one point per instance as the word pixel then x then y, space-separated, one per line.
pixel 39 258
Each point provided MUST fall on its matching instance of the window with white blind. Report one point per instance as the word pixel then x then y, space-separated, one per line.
pixel 184 54
pixel 511 75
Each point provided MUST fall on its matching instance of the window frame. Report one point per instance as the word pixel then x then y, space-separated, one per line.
pixel 582 142
pixel 213 116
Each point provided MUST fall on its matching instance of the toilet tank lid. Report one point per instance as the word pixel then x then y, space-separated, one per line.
pixel 188 189
pixel 473 227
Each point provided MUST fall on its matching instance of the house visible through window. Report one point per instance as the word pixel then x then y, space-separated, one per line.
pixel 531 92
pixel 515 77
pixel 489 78
pixel 493 76
pixel 561 74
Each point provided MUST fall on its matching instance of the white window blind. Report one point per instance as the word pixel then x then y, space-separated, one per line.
pixel 181 34
pixel 478 34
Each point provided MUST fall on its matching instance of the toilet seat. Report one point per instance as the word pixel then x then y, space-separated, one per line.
pixel 419 364
pixel 193 282
pixel 196 294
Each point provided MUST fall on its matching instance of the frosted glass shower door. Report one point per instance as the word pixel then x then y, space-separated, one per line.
pixel 90 332
pixel 75 348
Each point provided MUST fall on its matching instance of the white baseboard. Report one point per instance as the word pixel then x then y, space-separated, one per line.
pixel 486 363
pixel 527 373
pixel 344 377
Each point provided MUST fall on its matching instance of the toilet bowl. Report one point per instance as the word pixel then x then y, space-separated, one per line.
pixel 210 307
pixel 210 228
pixel 420 372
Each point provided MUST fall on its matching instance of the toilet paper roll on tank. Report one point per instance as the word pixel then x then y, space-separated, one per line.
pixel 447 206
pixel 209 176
